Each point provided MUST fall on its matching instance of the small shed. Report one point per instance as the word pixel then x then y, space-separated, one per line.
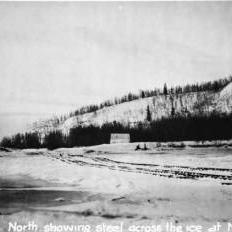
pixel 120 138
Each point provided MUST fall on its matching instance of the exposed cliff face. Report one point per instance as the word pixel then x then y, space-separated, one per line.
pixel 160 106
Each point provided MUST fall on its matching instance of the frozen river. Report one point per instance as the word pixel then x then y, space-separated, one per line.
pixel 115 184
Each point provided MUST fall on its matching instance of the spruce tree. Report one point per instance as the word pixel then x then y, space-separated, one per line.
pixel 148 114
pixel 165 89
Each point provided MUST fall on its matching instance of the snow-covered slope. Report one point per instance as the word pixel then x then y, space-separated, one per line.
pixel 131 113
pixel 224 103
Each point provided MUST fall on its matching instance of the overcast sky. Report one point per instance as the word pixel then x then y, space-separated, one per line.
pixel 57 56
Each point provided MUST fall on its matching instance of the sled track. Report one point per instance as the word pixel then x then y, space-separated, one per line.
pixel 169 171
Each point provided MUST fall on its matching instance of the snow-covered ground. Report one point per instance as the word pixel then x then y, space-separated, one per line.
pixel 114 183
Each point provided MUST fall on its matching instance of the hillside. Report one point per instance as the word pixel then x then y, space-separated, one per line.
pixel 133 112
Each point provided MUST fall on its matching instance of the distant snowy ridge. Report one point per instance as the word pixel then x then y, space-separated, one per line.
pixel 133 112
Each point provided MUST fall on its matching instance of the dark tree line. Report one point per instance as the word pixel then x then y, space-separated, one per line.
pixel 20 141
pixel 54 139
pixel 180 128
pixel 177 128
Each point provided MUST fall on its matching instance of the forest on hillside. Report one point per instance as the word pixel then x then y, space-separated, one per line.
pixel 177 128
pixel 214 126
pixel 213 86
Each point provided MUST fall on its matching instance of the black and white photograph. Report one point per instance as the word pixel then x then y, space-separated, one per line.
pixel 116 116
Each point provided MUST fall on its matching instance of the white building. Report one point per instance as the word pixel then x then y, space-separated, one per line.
pixel 120 138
